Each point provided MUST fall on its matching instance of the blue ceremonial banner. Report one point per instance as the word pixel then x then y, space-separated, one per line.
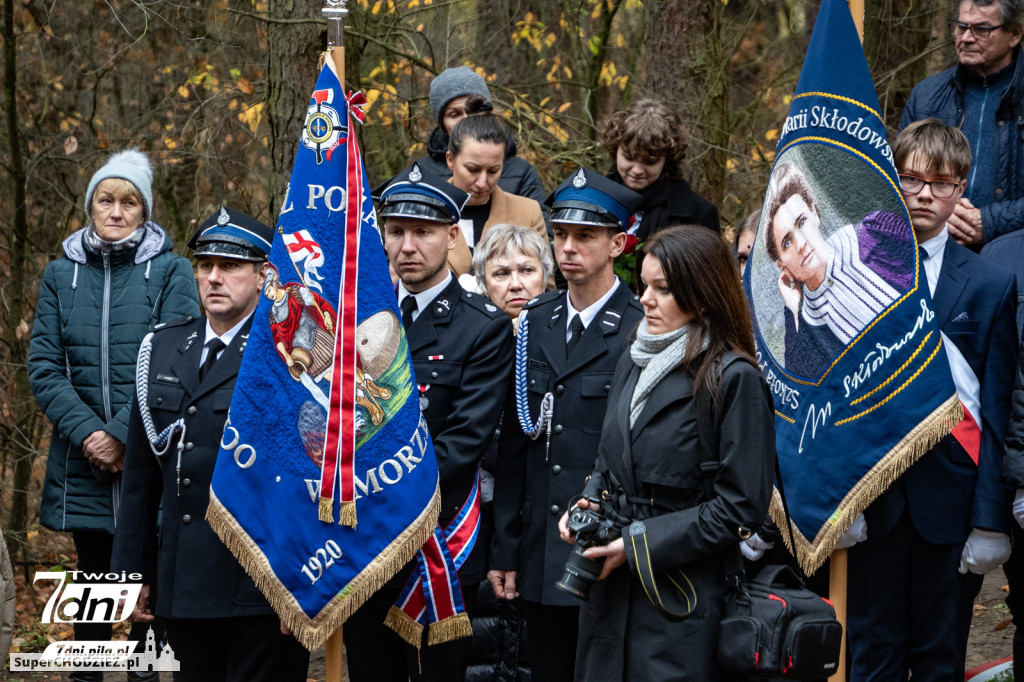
pixel 324 421
pixel 845 331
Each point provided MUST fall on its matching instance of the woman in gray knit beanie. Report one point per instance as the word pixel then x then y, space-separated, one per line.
pixel 448 93
pixel 117 278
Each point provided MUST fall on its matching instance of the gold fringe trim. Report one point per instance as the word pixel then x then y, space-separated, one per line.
pixel 449 629
pixel 348 514
pixel 404 626
pixel 922 438
pixel 313 632
pixel 327 510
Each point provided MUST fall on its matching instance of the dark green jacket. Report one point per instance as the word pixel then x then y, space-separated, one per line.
pixel 92 313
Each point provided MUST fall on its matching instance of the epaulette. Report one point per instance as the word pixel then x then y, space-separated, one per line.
pixel 546 297
pixel 482 304
pixel 176 322
pixel 634 301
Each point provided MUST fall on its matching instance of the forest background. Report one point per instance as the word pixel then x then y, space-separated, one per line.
pixel 215 92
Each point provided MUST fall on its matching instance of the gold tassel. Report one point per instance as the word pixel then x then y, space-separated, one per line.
pixel 313 632
pixel 449 629
pixel 348 514
pixel 404 626
pixel 912 447
pixel 326 510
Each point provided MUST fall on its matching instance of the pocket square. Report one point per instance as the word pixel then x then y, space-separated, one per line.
pixel 962 317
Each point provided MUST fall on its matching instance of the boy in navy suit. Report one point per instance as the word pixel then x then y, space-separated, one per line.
pixel 944 523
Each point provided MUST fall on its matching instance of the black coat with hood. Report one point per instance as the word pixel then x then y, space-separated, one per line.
pixel 93 311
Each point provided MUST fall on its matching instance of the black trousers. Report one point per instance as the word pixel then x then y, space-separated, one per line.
pixel 905 603
pixel 376 654
pixel 94 549
pixel 240 649
pixel 1014 570
pixel 551 635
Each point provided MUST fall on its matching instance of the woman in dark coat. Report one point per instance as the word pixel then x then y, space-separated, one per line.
pixel 118 278
pixel 647 147
pixel 693 358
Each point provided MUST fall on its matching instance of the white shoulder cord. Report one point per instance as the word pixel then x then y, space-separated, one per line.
pixel 159 442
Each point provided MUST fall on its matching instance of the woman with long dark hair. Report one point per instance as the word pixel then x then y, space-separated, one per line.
pixel 684 468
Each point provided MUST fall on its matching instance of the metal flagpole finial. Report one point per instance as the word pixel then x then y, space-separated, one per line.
pixel 335 11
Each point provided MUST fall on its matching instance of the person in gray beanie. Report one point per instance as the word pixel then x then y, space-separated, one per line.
pixel 118 279
pixel 448 93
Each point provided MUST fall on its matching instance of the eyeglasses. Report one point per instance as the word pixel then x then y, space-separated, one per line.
pixel 943 189
pixel 979 31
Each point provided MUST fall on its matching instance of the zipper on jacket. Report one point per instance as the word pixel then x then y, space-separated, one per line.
pixel 105 338
pixel 115 497
pixel 984 106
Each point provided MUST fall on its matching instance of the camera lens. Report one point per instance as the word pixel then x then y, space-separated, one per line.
pixel 579 574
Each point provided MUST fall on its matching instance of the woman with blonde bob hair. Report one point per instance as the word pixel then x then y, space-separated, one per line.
pixel 513 264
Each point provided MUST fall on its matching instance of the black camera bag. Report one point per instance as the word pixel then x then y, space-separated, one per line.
pixel 771 627
pixel 775 627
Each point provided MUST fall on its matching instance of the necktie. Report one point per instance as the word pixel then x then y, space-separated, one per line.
pixel 408 308
pixel 212 348
pixel 577 331
pixel 924 254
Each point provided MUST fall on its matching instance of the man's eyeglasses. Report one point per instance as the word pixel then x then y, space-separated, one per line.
pixel 943 189
pixel 979 31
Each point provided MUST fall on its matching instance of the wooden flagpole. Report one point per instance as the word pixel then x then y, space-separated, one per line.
pixel 335 11
pixel 837 564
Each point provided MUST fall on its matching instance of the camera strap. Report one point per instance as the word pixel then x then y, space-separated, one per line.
pixel 672 581
pixel 707 435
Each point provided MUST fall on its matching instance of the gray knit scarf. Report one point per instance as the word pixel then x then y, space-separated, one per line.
pixel 657 354
pixel 100 245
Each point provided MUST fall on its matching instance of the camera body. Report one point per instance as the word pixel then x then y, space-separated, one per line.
pixel 592 529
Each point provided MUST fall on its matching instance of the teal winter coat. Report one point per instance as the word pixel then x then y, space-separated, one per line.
pixel 93 311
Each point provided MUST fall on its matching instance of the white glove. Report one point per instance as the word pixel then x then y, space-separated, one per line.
pixel 984 551
pixel 858 532
pixel 1018 507
pixel 753 548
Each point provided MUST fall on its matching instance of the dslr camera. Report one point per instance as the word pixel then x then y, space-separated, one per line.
pixel 592 529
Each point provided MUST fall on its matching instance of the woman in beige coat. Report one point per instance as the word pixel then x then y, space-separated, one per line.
pixel 476 155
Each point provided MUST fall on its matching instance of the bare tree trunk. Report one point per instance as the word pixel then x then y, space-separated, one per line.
pixel 293 50
pixel 686 66
pixel 18 433
pixel 897 35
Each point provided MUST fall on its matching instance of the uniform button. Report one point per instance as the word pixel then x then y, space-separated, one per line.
pixel 1001 123
pixel 433 375
pixel 192 409
pixel 159 401
pixel 607 387
pixel 560 389
pixel 556 470
pixel 533 381
pixel 555 510
pixel 999 190
pixel 188 445
pixel 186 482
pixel 558 428
pixel 186 519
